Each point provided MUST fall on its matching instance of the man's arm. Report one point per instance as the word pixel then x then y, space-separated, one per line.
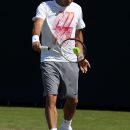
pixel 79 35
pixel 36 31
pixel 84 65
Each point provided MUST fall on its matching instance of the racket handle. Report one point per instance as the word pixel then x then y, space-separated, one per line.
pixel 44 48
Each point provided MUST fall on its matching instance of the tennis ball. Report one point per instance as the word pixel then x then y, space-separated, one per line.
pixel 76 50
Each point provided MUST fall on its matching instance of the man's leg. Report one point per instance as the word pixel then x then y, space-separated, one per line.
pixel 69 110
pixel 51 111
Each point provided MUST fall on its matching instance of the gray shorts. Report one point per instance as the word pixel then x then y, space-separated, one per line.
pixel 60 78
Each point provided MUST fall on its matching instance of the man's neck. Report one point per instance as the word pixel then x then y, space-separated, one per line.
pixel 62 3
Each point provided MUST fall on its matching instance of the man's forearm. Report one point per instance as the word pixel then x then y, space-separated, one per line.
pixel 37 27
pixel 79 35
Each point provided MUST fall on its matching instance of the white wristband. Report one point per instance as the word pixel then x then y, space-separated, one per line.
pixel 35 38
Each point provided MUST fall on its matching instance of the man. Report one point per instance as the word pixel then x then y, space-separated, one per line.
pixel 58 20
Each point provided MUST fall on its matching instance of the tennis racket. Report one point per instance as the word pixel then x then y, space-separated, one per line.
pixel 70 49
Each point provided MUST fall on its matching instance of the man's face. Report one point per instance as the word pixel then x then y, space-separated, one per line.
pixel 64 2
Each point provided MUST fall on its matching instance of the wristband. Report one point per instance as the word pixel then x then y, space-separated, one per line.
pixel 35 38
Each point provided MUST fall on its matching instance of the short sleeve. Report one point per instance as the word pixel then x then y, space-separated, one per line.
pixel 40 12
pixel 81 23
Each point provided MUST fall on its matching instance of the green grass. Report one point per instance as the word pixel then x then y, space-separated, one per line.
pixel 19 118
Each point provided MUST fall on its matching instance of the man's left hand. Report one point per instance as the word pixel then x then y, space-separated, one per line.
pixel 84 66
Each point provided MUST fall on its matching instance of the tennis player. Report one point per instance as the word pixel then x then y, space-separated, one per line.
pixel 58 20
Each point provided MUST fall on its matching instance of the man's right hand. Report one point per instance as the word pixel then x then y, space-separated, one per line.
pixel 36 46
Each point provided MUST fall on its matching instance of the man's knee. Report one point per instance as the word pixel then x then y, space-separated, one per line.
pixel 51 101
pixel 72 101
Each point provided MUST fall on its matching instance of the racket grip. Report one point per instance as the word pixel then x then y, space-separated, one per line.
pixel 44 48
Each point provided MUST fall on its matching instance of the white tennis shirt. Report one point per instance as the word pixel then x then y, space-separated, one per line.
pixel 59 23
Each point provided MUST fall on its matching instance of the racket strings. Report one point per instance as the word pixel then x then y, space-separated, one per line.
pixel 67 49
